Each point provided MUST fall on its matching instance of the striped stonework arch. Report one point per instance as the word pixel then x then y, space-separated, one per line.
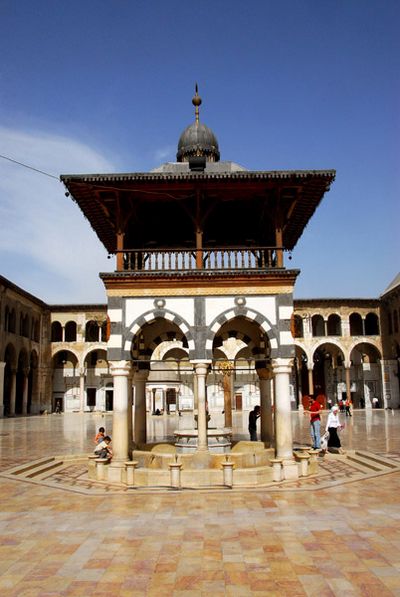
pixel 264 324
pixel 143 352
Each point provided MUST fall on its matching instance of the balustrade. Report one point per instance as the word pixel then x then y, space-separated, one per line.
pixel 224 259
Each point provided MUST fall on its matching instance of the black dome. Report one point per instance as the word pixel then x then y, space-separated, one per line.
pixel 197 140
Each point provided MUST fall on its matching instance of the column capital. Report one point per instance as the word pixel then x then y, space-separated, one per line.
pixel 123 368
pixel 201 367
pixel 265 374
pixel 282 365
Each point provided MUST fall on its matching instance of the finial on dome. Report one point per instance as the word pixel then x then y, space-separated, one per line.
pixel 196 101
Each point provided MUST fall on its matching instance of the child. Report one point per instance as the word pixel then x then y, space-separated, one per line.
pixel 103 449
pixel 100 435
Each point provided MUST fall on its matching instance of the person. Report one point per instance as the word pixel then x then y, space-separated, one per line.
pixel 341 406
pixel 103 449
pixel 347 405
pixel 329 403
pixel 315 422
pixel 253 416
pixel 99 435
pixel 375 402
pixel 58 407
pixel 332 426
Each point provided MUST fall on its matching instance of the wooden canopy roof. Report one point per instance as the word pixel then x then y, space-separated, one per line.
pixel 164 210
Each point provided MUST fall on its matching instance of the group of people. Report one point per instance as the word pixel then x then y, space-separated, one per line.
pixel 332 427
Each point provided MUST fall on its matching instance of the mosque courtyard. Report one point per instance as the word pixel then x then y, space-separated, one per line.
pixel 338 534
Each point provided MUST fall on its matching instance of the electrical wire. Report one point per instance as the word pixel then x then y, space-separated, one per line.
pixel 29 167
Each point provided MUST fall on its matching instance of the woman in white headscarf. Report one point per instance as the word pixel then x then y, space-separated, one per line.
pixel 332 425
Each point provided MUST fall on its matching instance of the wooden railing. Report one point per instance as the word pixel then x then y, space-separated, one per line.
pixel 225 259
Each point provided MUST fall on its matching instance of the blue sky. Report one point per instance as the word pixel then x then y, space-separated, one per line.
pixel 97 86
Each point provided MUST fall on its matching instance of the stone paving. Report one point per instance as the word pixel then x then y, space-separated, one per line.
pixel 343 540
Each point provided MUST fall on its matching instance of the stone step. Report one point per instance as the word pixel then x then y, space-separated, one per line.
pixel 368 461
pixel 22 469
pixel 382 460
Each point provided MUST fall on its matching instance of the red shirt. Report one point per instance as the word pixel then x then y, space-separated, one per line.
pixel 314 411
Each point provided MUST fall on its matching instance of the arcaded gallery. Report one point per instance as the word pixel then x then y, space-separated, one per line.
pixel 200 314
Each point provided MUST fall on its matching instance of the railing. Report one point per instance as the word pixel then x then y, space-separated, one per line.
pixel 164 260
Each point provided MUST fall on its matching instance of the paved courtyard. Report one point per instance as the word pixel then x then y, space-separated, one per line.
pixel 342 540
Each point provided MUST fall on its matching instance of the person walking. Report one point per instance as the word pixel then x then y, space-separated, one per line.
pixel 333 424
pixel 253 416
pixel 315 422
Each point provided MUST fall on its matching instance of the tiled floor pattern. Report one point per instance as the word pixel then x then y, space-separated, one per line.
pixel 342 541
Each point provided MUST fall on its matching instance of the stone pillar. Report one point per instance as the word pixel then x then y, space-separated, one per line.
pixel 25 392
pixel 130 411
pixel 200 374
pixel 267 431
pixel 120 370
pixel 283 419
pixel 2 367
pixel 13 391
pixel 140 378
pixel 153 410
pixel 310 380
pixel 347 368
pixel 226 368
pixel 81 389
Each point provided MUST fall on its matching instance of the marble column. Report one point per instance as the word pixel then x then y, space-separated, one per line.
pixel 310 380
pixel 2 367
pixel 140 378
pixel 282 369
pixel 13 392
pixel 130 411
pixel 200 374
pixel 81 389
pixel 25 392
pixel 154 392
pixel 266 421
pixel 120 371
pixel 347 367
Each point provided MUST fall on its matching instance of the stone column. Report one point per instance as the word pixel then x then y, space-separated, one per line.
pixel 226 368
pixel 120 370
pixel 347 367
pixel 13 391
pixel 140 379
pixel 130 410
pixel 201 370
pixel 2 367
pixel 154 391
pixel 310 379
pixel 283 419
pixel 81 389
pixel 25 392
pixel 267 432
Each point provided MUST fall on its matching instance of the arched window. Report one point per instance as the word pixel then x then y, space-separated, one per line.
pixel 21 324
pixel 25 326
pixel 371 324
pixel 12 321
pixel 104 331
pixel 356 325
pixel 390 327
pixel 334 325
pixel 92 331
pixel 56 331
pixel 6 319
pixel 35 330
pixel 318 325
pixel 395 322
pixel 70 331
pixel 298 327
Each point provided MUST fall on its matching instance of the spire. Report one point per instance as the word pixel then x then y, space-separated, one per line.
pixel 196 101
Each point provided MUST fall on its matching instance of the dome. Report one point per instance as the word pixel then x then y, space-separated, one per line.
pixel 197 139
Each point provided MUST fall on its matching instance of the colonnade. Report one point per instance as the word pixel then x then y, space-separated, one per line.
pixel 275 430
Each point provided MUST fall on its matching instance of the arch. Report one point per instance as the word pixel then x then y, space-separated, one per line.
pixel 92 331
pixel 317 325
pixel 372 324
pixel 167 326
pixel 70 331
pixel 223 322
pixel 61 357
pixel 56 332
pixel 298 328
pixel 334 325
pixel 356 325
pixel 83 356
